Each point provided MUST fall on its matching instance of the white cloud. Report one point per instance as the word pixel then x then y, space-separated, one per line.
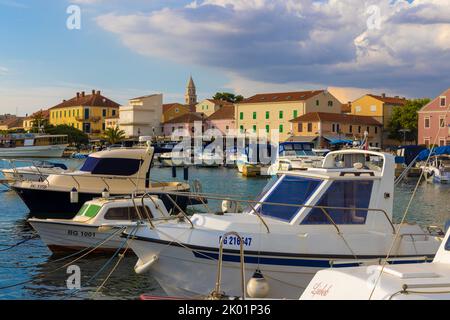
pixel 307 42
pixel 3 71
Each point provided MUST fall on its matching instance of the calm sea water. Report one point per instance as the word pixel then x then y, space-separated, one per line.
pixel 29 268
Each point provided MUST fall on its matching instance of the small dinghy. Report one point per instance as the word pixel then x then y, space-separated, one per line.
pixel 98 224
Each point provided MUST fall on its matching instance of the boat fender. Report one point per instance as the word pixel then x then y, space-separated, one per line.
pixel 257 286
pixel 141 268
pixel 229 206
pixel 105 193
pixel 74 196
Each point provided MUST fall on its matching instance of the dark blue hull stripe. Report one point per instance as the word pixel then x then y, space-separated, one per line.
pixel 286 261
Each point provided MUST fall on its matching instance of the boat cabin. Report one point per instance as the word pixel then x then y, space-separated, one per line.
pixel 342 191
pixel 31 140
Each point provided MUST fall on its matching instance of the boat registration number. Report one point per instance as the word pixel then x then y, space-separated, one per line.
pixel 236 241
pixel 84 234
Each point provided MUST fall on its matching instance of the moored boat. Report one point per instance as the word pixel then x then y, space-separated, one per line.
pixel 98 224
pixel 338 215
pixel 116 172
pixel 32 145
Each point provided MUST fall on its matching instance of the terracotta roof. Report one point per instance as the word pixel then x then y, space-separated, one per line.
pixel 187 118
pixel 93 100
pixel 336 117
pixel 45 114
pixel 390 100
pixel 168 106
pixel 226 112
pixel 14 122
pixel 281 96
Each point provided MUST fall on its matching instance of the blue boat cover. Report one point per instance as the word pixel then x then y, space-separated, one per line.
pixel 436 152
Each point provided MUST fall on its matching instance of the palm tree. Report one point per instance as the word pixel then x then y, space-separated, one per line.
pixel 114 135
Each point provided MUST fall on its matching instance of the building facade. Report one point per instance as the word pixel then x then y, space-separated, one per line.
pixel 186 123
pixel 112 122
pixel 381 109
pixel 274 111
pixel 142 116
pixel 325 128
pixel 174 110
pixel 223 120
pixel 84 112
pixel 434 121
pixel 210 106
pixel 42 115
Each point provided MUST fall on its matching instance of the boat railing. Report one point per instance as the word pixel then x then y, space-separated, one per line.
pixel 34 163
pixel 254 203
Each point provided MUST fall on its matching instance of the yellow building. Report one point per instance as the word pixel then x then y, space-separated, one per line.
pixel 380 108
pixel 273 111
pixel 85 112
pixel 112 122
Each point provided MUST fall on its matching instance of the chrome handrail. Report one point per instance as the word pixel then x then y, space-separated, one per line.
pixel 216 293
pixel 248 201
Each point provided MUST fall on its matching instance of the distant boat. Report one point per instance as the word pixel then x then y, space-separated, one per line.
pixel 32 145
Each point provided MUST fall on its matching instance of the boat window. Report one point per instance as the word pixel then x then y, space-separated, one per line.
pixel 89 210
pixel 126 213
pixel 111 166
pixel 343 194
pixel 291 190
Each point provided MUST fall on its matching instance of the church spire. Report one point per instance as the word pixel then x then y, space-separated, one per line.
pixel 191 93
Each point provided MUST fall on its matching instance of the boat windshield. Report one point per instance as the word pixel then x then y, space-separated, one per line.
pixel 305 149
pixel 111 166
pixel 89 210
pixel 345 197
pixel 290 190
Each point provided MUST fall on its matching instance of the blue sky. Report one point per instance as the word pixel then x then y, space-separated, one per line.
pixel 134 47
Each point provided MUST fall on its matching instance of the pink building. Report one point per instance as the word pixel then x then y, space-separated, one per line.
pixel 223 119
pixel 434 122
pixel 186 122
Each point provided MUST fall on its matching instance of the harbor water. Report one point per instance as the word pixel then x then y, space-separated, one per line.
pixel 30 271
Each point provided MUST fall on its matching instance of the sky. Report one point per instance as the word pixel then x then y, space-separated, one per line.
pixel 137 47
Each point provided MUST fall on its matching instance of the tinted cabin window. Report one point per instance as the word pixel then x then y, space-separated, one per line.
pixel 106 166
pixel 126 213
pixel 343 194
pixel 291 190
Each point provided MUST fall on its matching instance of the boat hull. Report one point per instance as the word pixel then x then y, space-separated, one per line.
pixel 54 151
pixel 62 237
pixel 287 275
pixel 57 204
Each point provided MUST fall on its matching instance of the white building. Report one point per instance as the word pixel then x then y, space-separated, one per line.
pixel 142 116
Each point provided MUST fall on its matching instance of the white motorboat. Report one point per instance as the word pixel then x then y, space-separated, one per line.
pixel 339 215
pixel 174 159
pixel 298 156
pixel 99 223
pixel 438 170
pixel 419 281
pixel 117 171
pixel 32 145
pixel 38 171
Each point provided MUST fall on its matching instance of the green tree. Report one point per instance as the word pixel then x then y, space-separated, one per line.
pixel 114 135
pixel 75 136
pixel 227 96
pixel 39 120
pixel 406 117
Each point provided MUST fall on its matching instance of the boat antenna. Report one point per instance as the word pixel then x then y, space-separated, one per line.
pixel 394 241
